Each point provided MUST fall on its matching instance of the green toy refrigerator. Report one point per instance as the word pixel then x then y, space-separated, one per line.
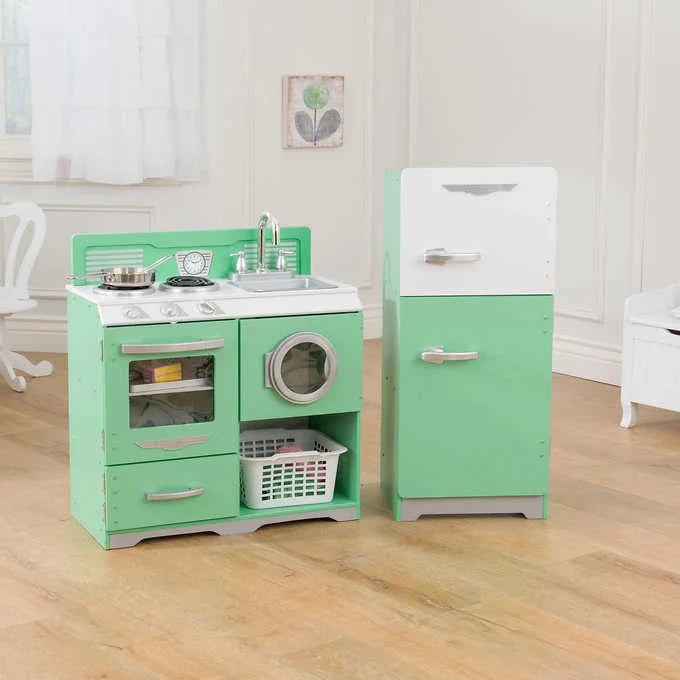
pixel 467 340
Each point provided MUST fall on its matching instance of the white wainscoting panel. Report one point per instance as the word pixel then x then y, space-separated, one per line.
pixel 660 210
pixel 560 84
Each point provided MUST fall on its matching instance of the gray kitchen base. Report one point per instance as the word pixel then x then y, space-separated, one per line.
pixel 529 506
pixel 242 526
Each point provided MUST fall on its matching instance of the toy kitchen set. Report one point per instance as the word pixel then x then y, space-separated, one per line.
pixel 215 390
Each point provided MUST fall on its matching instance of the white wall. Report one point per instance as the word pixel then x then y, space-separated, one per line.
pixel 249 46
pixel 588 87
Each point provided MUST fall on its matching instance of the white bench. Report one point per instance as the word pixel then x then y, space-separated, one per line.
pixel 651 352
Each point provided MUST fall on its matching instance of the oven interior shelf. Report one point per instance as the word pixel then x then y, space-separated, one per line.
pixel 193 385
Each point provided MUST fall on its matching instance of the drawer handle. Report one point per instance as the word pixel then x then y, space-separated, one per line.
pixel 442 256
pixel 175 495
pixel 437 355
pixel 173 444
pixel 159 348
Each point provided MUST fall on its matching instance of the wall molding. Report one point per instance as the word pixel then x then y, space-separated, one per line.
pixel 59 293
pixel 596 311
pixel 367 139
pixel 639 200
pixel 414 56
pixel 249 131
pixel 47 293
pixel 149 210
pixel 580 358
pixel 372 321
pixel 37 332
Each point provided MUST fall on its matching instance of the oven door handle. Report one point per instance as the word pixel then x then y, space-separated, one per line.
pixel 165 347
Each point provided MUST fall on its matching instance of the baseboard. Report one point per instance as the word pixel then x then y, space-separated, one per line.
pixel 585 359
pixel 372 321
pixel 37 333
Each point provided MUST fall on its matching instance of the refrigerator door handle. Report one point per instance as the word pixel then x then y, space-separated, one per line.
pixel 442 256
pixel 437 355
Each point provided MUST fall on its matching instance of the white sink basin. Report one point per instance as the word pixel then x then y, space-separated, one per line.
pixel 274 283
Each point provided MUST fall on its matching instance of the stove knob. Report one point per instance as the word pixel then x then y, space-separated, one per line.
pixel 171 310
pixel 133 312
pixel 206 308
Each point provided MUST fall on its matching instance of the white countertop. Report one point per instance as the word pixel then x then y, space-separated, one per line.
pixel 222 301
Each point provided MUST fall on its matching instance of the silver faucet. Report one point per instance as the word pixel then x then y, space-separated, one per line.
pixel 265 219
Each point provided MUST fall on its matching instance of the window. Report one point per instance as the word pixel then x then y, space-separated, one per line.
pixel 15 90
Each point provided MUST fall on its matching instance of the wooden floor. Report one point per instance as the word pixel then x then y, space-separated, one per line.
pixel 592 593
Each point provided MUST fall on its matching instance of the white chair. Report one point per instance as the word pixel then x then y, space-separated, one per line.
pixel 14 293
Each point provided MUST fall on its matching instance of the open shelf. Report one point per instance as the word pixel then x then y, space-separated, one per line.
pixel 339 501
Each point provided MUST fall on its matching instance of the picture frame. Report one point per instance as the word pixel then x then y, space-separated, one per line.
pixel 313 111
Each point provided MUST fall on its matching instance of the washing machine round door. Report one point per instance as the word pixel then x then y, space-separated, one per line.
pixel 302 368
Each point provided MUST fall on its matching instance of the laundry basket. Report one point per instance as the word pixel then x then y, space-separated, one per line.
pixel 272 480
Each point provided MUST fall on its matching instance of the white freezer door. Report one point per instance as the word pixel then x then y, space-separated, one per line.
pixel 477 231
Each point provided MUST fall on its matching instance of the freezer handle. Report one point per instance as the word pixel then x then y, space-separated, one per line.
pixel 443 256
pixel 437 355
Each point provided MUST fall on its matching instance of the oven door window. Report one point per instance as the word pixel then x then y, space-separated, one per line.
pixel 176 391
pixel 303 368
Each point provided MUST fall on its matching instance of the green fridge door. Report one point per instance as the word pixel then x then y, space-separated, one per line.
pixel 474 421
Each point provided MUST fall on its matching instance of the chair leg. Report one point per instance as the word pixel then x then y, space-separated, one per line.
pixel 16 382
pixel 23 364
pixel 10 360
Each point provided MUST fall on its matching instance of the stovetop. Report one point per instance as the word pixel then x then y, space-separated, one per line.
pixel 217 299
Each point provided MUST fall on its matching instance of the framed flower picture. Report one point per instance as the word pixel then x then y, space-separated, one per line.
pixel 313 111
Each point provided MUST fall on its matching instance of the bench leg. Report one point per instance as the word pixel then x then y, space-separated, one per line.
pixel 629 415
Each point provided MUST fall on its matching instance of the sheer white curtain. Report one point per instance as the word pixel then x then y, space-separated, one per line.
pixel 115 89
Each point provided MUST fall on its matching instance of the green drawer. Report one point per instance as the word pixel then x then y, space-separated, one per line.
pixel 129 489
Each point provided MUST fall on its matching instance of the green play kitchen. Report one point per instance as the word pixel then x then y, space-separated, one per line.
pixel 467 340
pixel 217 389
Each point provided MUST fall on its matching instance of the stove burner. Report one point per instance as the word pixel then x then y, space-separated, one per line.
pixel 111 286
pixel 120 291
pixel 188 282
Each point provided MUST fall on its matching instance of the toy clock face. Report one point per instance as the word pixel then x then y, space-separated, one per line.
pixel 194 263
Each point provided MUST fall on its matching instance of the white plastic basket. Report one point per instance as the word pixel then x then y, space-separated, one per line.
pixel 270 479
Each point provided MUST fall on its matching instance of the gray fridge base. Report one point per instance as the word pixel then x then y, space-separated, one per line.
pixel 529 506
pixel 242 526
